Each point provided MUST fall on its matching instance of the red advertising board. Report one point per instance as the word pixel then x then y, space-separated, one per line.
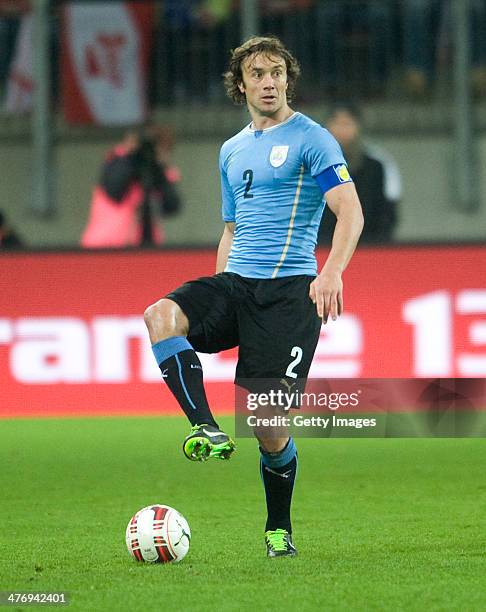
pixel 72 338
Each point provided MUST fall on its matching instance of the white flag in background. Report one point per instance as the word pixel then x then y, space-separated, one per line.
pixel 104 70
pixel 20 84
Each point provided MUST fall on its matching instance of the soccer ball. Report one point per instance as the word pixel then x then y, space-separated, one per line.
pixel 158 534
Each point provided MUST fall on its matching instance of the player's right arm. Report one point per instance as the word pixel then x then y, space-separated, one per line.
pixel 228 210
pixel 225 246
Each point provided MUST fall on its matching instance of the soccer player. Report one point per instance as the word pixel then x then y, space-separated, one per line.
pixel 266 296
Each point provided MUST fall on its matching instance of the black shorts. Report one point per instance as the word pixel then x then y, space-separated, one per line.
pixel 273 321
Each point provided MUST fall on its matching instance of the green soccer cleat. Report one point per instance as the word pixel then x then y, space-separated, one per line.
pixel 279 544
pixel 205 442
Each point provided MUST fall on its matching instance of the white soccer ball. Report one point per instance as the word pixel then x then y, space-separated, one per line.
pixel 158 534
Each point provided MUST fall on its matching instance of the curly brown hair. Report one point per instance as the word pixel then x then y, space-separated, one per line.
pixel 266 45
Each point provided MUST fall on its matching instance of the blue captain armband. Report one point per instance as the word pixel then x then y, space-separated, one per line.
pixel 333 176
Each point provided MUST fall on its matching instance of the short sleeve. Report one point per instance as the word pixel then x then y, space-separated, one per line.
pixel 228 202
pixel 321 150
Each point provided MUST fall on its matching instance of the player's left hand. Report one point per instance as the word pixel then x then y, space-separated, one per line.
pixel 326 291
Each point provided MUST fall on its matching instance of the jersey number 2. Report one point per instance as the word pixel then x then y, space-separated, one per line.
pixel 296 352
pixel 248 177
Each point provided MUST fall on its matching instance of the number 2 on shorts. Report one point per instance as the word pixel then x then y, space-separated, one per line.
pixel 296 352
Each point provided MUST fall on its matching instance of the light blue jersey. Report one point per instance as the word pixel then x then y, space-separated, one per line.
pixel 270 192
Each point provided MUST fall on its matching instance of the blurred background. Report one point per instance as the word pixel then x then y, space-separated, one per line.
pixel 112 117
pixel 79 79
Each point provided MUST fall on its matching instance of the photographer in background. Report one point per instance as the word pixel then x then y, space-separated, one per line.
pixel 8 238
pixel 136 189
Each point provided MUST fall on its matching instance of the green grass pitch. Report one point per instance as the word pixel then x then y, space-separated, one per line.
pixel 379 524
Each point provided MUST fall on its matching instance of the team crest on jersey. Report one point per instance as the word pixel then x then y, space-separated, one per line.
pixel 278 155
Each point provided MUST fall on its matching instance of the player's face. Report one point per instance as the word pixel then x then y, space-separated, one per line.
pixel 265 84
pixel 344 127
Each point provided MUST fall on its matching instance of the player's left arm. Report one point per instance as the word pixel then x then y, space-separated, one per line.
pixel 326 291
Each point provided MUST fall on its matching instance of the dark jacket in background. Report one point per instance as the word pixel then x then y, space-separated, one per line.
pixel 379 189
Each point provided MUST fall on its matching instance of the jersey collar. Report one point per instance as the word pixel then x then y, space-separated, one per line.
pixel 273 127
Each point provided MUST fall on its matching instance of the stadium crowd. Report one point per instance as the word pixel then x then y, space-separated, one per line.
pixel 343 45
pixel 360 50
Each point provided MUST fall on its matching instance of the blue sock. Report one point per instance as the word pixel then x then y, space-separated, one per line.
pixel 278 472
pixel 182 372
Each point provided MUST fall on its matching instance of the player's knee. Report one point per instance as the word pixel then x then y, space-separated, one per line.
pixel 150 315
pixel 272 445
pixel 166 318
